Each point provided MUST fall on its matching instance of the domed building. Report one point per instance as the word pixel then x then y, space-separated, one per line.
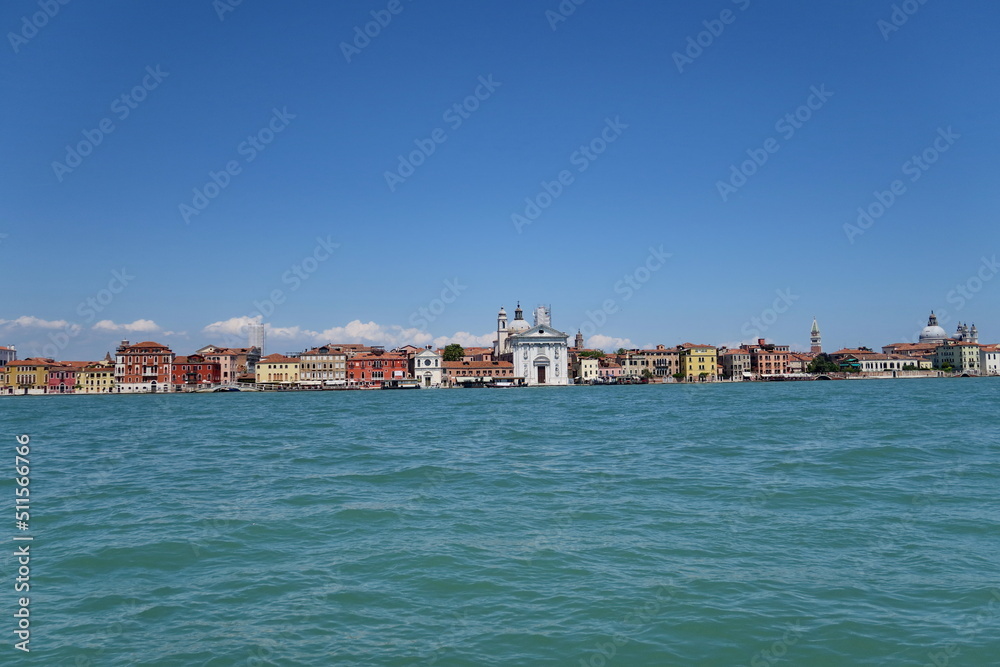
pixel 501 346
pixel 932 333
pixel 539 352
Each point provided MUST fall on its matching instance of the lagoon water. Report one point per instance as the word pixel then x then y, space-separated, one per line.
pixel 821 523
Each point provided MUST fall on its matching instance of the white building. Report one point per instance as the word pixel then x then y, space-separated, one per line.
pixel 7 354
pixel 539 353
pixel 989 360
pixel 426 367
pixel 501 346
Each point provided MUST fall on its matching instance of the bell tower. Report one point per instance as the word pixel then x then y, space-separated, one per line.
pixel 501 341
pixel 815 340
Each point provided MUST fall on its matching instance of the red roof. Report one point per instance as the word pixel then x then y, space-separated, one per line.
pixel 32 361
pixel 278 359
pixel 476 364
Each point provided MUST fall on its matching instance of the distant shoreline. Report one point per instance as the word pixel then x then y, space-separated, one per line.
pixel 673 384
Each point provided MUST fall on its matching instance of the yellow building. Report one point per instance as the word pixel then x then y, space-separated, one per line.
pixel 27 376
pixel 96 378
pixel 698 363
pixel 276 368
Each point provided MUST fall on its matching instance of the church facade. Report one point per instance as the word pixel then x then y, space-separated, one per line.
pixel 539 352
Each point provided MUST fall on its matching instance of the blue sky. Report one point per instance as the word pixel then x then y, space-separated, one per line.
pixel 622 122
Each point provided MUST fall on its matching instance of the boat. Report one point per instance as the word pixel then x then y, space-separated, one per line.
pixel 401 384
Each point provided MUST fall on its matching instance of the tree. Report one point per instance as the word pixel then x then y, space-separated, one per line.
pixel 621 350
pixel 909 367
pixel 453 352
pixel 646 374
pixel 678 376
pixel 596 354
pixel 822 363
pixel 702 376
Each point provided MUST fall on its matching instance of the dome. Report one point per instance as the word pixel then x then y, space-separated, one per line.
pixel 932 334
pixel 519 325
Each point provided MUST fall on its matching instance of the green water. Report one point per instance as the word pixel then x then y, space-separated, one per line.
pixel 837 523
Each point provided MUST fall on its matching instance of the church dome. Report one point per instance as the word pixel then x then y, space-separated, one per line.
pixel 519 325
pixel 932 334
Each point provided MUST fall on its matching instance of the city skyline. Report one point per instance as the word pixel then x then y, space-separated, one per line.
pixel 394 174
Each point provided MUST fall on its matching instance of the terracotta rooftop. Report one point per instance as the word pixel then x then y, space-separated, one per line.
pixel 382 355
pixel 278 359
pixel 477 364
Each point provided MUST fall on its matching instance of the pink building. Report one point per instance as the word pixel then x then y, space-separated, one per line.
pixel 62 376
pixel 609 370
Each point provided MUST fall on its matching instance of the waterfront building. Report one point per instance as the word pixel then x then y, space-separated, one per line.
pixel 962 357
pixel 143 367
pixel 768 358
pixel 372 369
pixel 97 378
pixel 28 376
pixel 426 366
pixel 278 369
pixel 609 369
pixel 989 360
pixel 666 362
pixel 873 362
pixel 539 353
pixel 458 373
pixel 698 362
pixel 193 371
pixel 815 339
pixel 7 354
pixel 63 376
pixel 659 362
pixel 323 365
pixel 735 364
pixel 798 362
pixel 586 369
pixel 233 361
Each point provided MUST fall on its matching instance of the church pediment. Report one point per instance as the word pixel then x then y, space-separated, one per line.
pixel 542 332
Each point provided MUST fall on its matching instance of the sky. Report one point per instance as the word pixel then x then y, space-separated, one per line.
pixel 394 172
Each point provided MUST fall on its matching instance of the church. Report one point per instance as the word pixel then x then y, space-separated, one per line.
pixel 539 352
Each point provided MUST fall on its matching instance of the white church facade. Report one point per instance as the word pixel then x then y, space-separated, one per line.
pixel 539 353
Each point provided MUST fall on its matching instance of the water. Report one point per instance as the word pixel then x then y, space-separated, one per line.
pixel 823 523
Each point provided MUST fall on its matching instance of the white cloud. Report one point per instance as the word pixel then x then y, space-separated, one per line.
pixel 355 331
pixel 31 322
pixel 139 326
pixel 466 339
pixel 234 326
pixel 391 335
pixel 609 343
